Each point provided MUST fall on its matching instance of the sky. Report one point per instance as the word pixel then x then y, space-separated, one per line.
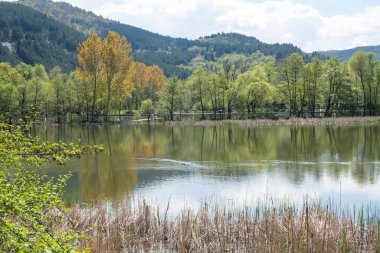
pixel 312 25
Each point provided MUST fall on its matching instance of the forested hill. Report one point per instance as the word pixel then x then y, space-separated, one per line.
pixel 223 43
pixel 171 54
pixel 33 37
pixel 345 55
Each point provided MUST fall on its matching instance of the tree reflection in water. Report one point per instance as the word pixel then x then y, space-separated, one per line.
pixel 223 152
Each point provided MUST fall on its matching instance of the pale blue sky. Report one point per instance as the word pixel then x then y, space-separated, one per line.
pixel 311 25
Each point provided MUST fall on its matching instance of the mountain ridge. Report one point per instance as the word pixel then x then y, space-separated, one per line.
pixel 171 54
pixel 346 54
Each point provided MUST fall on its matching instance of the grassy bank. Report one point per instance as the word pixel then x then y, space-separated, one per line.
pixel 267 228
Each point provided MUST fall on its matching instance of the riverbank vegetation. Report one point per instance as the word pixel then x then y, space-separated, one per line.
pixel 265 228
pixel 31 205
pixel 109 85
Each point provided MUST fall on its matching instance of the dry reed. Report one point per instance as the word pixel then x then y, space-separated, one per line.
pixel 265 228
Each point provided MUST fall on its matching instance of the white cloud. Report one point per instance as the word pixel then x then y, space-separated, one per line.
pixel 338 26
pixel 171 8
pixel 294 21
pixel 266 14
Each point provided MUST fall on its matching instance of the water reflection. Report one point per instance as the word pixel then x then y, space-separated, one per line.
pixel 191 163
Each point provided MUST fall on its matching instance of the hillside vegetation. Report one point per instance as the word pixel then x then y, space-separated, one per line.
pixel 36 38
pixel 345 55
pixel 173 55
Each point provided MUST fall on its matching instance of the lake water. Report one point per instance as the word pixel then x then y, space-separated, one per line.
pixel 191 165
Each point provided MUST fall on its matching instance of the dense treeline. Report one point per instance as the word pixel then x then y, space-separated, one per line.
pixel 109 82
pixel 36 38
pixel 106 82
pixel 245 87
pixel 173 55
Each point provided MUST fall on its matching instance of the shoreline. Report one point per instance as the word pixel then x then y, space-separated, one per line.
pixel 342 121
pixel 291 121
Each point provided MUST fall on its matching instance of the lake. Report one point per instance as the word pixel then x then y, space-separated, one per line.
pixel 192 165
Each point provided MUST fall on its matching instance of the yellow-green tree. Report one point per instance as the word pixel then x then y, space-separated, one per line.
pixel 105 64
pixel 116 57
pixel 90 66
pixel 254 89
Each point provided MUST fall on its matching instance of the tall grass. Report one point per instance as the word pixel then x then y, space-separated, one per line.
pixel 260 228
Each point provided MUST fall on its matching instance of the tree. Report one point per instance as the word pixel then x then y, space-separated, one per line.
pixel 8 82
pixel 171 96
pixel 227 75
pixel 90 66
pixel 337 79
pixel 116 59
pixel 40 77
pixel 147 108
pixel 214 90
pixel 72 96
pixel 253 88
pixel 197 82
pixel 291 75
pixel 22 81
pixel 312 74
pixel 363 66
pixel 58 81
pixel 146 81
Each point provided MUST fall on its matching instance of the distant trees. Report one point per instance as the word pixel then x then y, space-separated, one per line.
pixel 365 69
pixel 247 85
pixel 108 81
pixel 146 81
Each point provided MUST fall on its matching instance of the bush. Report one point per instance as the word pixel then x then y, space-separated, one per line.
pixel 32 214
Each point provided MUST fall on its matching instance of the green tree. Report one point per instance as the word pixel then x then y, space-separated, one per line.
pixel 337 81
pixel 227 75
pixel 312 76
pixel 58 81
pixel 39 78
pixel 254 89
pixel 23 82
pixel 197 81
pixel 8 82
pixel 170 97
pixel 291 75
pixel 147 108
pixel 363 65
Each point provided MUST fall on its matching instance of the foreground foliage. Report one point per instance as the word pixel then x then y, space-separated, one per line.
pixel 31 206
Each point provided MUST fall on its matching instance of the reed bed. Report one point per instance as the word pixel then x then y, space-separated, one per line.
pixel 264 228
